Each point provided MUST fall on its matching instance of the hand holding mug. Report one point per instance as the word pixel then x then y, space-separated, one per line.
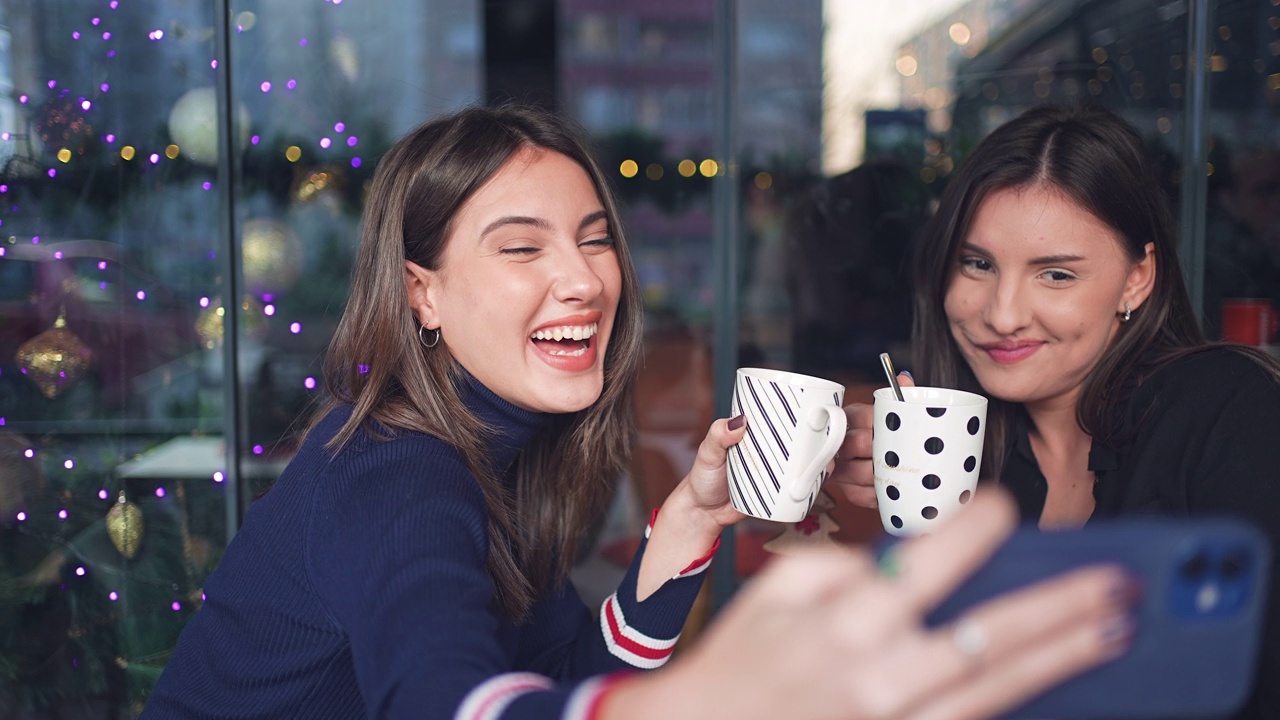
pixel 853 477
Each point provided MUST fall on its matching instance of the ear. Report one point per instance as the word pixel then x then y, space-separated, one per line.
pixel 421 286
pixel 1141 280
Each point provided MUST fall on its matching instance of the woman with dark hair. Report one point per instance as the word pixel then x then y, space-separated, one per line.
pixel 412 560
pixel 1048 280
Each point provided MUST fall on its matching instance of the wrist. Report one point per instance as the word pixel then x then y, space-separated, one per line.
pixel 642 696
pixel 697 523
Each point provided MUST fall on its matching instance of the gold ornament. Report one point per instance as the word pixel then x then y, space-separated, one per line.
pixel 253 321
pixel 272 255
pixel 124 527
pixel 54 359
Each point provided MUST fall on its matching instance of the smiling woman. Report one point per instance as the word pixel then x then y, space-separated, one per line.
pixel 528 284
pixel 1048 281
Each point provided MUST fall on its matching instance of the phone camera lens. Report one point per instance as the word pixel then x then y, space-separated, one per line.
pixel 1196 567
pixel 1234 564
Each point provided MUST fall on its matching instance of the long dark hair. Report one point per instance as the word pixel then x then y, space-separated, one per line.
pixel 565 477
pixel 1097 159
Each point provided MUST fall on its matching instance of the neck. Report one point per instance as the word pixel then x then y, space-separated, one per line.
pixel 1054 423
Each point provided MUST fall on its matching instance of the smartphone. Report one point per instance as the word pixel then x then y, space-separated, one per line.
pixel 1199 623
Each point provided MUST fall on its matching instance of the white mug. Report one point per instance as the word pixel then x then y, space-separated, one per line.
pixel 795 425
pixel 926 452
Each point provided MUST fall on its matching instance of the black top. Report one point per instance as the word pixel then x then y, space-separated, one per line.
pixel 1204 439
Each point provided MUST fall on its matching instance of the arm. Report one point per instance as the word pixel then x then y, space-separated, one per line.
pixel 823 634
pixel 694 514
pixel 1238 474
pixel 397 553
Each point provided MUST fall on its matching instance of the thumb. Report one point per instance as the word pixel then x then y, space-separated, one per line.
pixel 722 435
pixel 905 379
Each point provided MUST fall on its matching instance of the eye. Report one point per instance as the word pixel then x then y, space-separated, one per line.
pixel 1058 277
pixel 518 250
pixel 975 265
pixel 598 244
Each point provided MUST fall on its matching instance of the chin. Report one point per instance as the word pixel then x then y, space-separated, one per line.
pixel 573 398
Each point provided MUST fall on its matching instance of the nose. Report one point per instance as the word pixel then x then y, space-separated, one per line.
pixel 577 280
pixel 1007 310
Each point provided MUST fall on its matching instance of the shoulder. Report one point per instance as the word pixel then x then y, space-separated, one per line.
pixel 1210 390
pixel 1214 371
pixel 378 474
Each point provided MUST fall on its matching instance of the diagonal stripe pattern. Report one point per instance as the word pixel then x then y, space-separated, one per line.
pixel 759 463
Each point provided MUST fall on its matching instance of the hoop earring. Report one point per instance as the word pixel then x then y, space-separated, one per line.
pixel 422 338
pixel 1128 313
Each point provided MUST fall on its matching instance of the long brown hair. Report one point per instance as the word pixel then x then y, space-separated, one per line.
pixel 565 476
pixel 1097 159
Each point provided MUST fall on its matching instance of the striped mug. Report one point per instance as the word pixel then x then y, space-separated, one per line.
pixel 795 424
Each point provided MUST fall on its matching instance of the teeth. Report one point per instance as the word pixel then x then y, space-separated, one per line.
pixel 569 353
pixel 566 332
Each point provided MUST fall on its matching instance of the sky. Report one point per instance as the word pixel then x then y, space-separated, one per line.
pixel 861 46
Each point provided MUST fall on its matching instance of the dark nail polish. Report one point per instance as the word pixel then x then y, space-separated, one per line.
pixel 735 423
pixel 1128 591
pixel 908 374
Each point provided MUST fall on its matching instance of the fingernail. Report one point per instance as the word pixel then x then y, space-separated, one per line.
pixel 908 374
pixel 735 423
pixel 1119 629
pixel 1128 590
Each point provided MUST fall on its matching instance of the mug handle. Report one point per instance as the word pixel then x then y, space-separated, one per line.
pixel 819 419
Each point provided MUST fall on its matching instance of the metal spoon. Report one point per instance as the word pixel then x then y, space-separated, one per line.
pixel 893 376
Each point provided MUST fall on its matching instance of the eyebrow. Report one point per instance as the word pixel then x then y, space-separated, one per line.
pixel 1042 260
pixel 538 223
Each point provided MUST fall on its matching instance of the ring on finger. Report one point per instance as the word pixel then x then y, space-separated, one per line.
pixel 969 638
pixel 889 562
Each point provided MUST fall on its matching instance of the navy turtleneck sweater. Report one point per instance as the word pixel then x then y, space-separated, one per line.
pixel 357 588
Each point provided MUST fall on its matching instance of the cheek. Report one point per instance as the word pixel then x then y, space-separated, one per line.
pixel 959 303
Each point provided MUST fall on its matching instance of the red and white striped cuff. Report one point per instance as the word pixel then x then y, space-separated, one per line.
pixel 491 697
pixel 629 644
pixel 584 703
pixel 694 567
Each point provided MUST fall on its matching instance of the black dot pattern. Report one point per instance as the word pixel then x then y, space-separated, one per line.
pixel 943 475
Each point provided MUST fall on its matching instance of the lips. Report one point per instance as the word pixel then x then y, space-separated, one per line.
pixel 568 343
pixel 1011 353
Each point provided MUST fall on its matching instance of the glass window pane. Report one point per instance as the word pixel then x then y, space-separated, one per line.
pixel 115 230
pixel 1242 255
pixel 110 407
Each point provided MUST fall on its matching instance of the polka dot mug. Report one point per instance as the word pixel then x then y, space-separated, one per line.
pixel 926 451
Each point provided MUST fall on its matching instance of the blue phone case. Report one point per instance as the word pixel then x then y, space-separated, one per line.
pixel 1199 624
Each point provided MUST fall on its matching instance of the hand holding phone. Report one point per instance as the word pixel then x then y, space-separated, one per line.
pixel 1199 623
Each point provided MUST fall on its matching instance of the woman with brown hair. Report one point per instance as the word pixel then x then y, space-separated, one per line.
pixel 412 559
pixel 1048 280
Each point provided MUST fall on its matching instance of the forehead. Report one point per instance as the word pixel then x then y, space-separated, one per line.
pixel 534 182
pixel 1039 220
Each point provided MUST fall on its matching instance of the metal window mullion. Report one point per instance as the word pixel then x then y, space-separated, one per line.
pixel 228 177
pixel 724 253
pixel 1195 153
